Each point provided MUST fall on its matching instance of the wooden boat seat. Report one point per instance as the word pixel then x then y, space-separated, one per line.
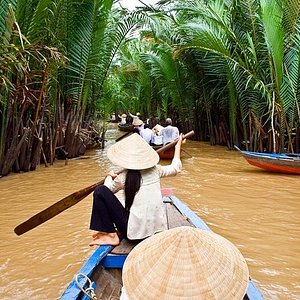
pixel 175 219
pixel 125 247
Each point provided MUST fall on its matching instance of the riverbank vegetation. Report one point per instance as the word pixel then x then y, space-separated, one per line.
pixel 230 70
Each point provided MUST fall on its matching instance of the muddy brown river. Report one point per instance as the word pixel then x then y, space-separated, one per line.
pixel 256 210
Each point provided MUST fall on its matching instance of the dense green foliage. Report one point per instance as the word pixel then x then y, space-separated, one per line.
pixel 230 70
pixel 54 59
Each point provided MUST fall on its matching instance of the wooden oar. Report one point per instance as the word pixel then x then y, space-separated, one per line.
pixel 172 144
pixel 67 202
pixel 55 209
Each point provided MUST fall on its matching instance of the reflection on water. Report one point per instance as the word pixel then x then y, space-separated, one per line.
pixel 256 210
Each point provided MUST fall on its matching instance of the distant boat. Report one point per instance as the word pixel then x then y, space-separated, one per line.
pixel 167 151
pixel 167 154
pixel 287 163
pixel 102 273
pixel 125 127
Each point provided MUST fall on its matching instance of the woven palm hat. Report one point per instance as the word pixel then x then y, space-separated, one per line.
pixel 137 122
pixel 124 116
pixel 133 152
pixel 185 263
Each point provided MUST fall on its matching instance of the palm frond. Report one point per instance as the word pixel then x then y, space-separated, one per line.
pixel 4 10
pixel 272 15
pixel 38 29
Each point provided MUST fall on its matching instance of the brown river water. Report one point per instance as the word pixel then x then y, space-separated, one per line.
pixel 256 210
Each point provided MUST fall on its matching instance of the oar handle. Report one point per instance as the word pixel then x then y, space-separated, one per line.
pixel 55 209
pixel 172 144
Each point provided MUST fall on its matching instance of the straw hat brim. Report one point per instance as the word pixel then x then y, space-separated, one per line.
pixel 137 122
pixel 133 152
pixel 185 263
pixel 123 116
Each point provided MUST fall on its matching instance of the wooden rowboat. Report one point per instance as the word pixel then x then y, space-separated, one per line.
pixel 167 151
pixel 280 163
pixel 102 272
pixel 125 127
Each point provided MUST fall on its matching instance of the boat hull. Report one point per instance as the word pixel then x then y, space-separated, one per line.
pixel 167 154
pixel 104 267
pixel 125 127
pixel 280 163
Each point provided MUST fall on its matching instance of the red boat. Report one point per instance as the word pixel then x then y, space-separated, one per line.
pixel 166 154
pixel 167 151
pixel 287 163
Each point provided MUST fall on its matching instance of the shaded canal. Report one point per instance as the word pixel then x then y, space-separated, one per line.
pixel 256 210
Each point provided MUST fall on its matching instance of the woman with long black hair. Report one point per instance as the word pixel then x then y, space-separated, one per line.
pixel 142 214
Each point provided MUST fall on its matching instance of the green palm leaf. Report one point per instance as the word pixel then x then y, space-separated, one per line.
pixel 4 10
pixel 272 14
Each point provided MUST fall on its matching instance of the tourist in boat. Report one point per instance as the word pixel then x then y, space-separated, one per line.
pixel 123 118
pixel 138 125
pixel 157 128
pixel 185 263
pixel 113 118
pixel 169 133
pixel 147 134
pixel 157 138
pixel 134 117
pixel 142 213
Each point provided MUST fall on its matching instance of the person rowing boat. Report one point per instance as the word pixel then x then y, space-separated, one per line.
pixel 142 213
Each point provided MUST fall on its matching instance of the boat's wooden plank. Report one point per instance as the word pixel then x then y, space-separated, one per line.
pixel 175 218
pixel 109 283
pixel 125 247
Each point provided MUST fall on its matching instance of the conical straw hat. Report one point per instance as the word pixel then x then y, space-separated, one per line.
pixel 123 115
pixel 137 122
pixel 133 153
pixel 185 263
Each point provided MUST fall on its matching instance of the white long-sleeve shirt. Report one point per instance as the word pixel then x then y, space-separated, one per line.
pixel 133 116
pixel 147 134
pixel 123 119
pixel 147 213
pixel 169 134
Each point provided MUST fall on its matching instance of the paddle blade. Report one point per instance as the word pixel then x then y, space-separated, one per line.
pixel 55 209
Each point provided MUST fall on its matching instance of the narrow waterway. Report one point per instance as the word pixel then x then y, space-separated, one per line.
pixel 257 211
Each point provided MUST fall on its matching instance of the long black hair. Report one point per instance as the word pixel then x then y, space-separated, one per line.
pixel 132 186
